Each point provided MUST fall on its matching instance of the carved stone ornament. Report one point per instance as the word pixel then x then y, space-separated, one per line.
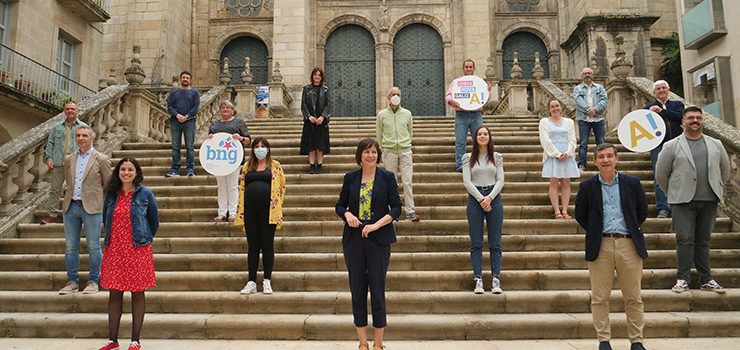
pixel 622 66
pixel 135 74
pixel 246 75
pixel 490 69
pixel 225 77
pixel 537 71
pixel 247 8
pixel 384 19
pixel 516 70
pixel 276 76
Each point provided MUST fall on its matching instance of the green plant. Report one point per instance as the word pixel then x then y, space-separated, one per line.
pixel 670 68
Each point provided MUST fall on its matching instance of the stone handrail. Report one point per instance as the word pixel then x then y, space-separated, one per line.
pixel 209 103
pixel 713 126
pixel 544 90
pixel 22 164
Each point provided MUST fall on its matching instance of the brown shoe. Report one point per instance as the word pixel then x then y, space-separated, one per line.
pixel 49 220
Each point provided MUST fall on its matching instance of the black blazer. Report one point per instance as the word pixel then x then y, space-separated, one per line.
pixel 385 200
pixel 308 103
pixel 671 115
pixel 590 214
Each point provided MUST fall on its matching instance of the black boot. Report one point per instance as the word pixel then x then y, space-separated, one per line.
pixel 312 168
pixel 318 168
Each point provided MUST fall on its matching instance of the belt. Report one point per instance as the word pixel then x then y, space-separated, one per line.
pixel 77 200
pixel 615 235
pixel 484 188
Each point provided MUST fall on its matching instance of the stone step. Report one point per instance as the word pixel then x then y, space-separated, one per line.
pixel 524 227
pixel 401 261
pixel 293 281
pixel 459 243
pixel 339 327
pixel 408 303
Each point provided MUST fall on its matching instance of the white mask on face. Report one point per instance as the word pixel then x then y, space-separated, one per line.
pixel 395 100
pixel 260 152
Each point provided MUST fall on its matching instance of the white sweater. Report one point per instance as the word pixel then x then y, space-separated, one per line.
pixel 483 173
pixel 549 148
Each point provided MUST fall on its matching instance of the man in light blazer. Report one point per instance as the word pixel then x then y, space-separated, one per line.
pixel 86 173
pixel 611 206
pixel 693 168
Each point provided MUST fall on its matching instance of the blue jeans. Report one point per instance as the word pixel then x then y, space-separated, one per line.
pixel 584 129
pixel 494 223
pixel 178 129
pixel 465 121
pixel 661 202
pixel 74 218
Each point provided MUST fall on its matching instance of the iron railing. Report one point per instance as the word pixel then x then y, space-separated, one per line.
pixel 33 78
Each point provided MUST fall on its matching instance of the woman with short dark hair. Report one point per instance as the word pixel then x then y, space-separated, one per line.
pixel 368 203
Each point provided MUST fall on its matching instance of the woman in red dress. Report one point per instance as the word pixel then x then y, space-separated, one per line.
pixel 131 220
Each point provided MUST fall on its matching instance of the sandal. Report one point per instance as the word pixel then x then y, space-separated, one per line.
pixel 378 347
pixel 558 216
pixel 219 218
pixel 363 346
pixel 566 216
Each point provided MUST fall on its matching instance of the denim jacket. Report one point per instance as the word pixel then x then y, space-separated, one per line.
pixel 55 144
pixel 600 100
pixel 144 215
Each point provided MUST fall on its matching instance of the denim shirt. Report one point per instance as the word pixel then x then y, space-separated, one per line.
pixel 55 144
pixel 144 215
pixel 600 101
pixel 612 206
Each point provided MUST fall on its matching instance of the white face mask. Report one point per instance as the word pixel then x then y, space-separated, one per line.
pixel 260 152
pixel 396 100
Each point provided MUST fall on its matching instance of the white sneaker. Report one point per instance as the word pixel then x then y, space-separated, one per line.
pixel 713 286
pixel 266 287
pixel 478 286
pixel 681 286
pixel 496 286
pixel 250 288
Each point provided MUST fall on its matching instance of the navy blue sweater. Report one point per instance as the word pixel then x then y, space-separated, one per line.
pixel 185 102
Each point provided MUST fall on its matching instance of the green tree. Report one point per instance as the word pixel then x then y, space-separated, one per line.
pixel 670 69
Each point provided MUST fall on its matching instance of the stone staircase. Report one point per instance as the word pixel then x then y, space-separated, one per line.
pixel 201 265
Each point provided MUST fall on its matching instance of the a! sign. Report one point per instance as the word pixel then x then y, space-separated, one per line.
pixel 641 130
pixel 470 91
pixel 221 155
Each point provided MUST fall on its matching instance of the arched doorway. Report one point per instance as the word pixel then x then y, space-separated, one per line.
pixel 246 46
pixel 350 71
pixel 526 44
pixel 418 69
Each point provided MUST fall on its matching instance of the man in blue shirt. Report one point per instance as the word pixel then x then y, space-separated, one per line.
pixel 183 104
pixel 611 206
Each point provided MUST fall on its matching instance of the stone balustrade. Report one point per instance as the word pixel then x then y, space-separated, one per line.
pixel 209 109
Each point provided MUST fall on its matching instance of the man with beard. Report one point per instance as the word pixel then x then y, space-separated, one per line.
pixel 183 104
pixel 693 168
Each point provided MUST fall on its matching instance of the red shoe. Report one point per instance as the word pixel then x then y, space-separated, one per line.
pixel 49 220
pixel 134 346
pixel 110 346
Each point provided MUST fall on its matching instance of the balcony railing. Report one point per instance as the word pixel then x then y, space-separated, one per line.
pixel 29 77
pixel 703 23
pixel 89 10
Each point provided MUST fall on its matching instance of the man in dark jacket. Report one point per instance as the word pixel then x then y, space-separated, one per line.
pixel 671 112
pixel 611 206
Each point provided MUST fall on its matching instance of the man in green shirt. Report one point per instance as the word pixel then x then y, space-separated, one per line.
pixel 394 129
pixel 61 142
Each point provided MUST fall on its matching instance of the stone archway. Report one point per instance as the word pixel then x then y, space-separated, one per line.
pixel 350 71
pixel 526 44
pixel 418 69
pixel 246 46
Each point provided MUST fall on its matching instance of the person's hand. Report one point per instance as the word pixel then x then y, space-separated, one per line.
pixel 236 137
pixel 592 111
pixel 454 104
pixel 210 136
pixel 312 119
pixel 352 220
pixel 485 203
pixel 656 109
pixel 50 164
pixel 320 120
pixel 181 118
pixel 563 156
pixel 368 229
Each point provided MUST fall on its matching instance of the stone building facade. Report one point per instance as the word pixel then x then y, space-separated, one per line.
pixel 367 46
pixel 51 50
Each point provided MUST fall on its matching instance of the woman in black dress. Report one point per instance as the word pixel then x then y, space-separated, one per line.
pixel 315 109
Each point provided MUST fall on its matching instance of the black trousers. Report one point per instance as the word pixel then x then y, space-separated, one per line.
pixel 367 264
pixel 260 237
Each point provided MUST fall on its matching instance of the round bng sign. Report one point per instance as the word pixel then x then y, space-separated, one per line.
pixel 221 155
pixel 470 91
